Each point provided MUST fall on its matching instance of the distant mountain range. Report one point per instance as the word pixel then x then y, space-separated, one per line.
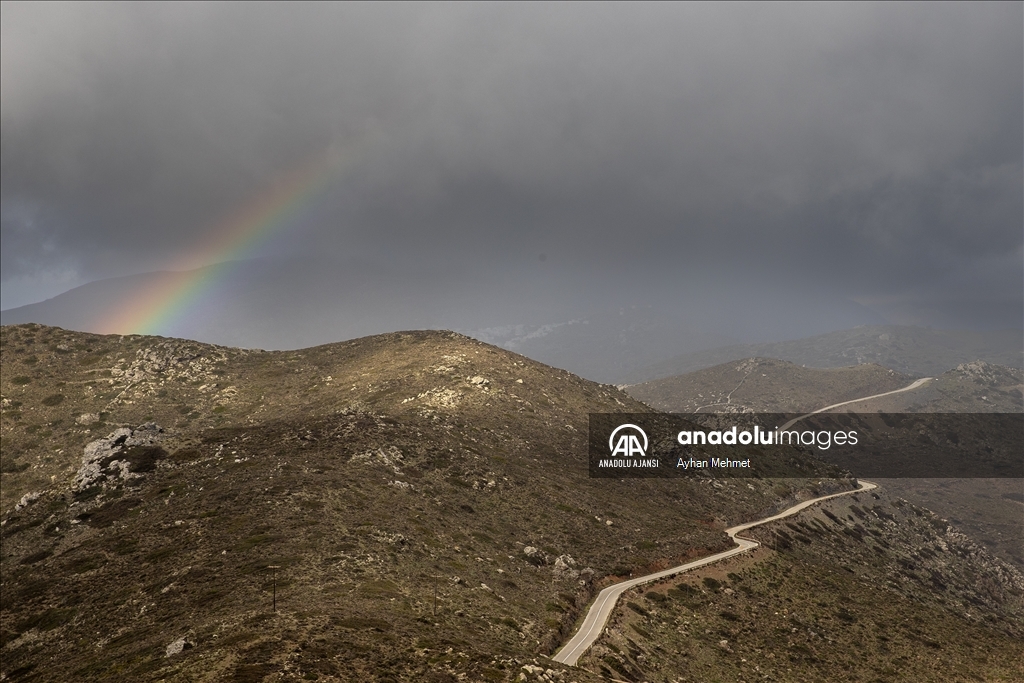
pixel 914 351
pixel 606 332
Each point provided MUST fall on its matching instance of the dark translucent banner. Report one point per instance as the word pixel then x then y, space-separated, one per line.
pixel 882 445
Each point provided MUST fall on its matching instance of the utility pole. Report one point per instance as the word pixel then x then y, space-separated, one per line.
pixel 275 567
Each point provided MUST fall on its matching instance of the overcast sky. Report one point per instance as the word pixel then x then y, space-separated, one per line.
pixel 873 150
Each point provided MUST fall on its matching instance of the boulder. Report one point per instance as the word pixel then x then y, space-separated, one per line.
pixel 27 500
pixel 179 646
pixel 565 567
pixel 99 457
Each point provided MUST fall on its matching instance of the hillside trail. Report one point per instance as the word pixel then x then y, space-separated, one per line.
pixel 600 611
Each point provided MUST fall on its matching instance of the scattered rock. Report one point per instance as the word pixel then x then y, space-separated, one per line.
pixel 27 500
pixel 439 397
pixel 565 567
pixel 987 375
pixel 390 456
pixel 87 419
pixel 536 556
pixel 171 359
pixel 180 645
pixel 388 537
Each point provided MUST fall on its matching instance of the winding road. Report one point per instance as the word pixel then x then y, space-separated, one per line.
pixel 910 387
pixel 601 610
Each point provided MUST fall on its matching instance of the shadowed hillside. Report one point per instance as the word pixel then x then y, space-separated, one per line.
pixel 915 351
pixel 867 587
pixel 765 385
pixel 159 480
pixel 416 503
pixel 989 510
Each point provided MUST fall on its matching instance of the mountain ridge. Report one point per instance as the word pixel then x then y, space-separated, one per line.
pixel 600 330
pixel 765 385
pixel 915 351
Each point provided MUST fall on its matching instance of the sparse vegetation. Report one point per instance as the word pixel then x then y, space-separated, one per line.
pixel 831 610
pixel 395 481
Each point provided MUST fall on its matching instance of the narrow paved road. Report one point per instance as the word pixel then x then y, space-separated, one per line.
pixel 910 387
pixel 602 608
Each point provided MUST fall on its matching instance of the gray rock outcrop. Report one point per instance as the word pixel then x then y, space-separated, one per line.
pixel 100 461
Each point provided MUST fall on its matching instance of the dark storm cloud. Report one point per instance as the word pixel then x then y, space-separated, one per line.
pixel 876 148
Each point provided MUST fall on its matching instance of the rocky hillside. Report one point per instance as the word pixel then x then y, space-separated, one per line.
pixel 765 385
pixel 974 387
pixel 416 507
pixel 418 503
pixel 989 510
pixel 863 588
pixel 915 351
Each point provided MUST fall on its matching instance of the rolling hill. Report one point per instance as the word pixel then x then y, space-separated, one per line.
pixel 405 507
pixel 597 330
pixel 765 385
pixel 916 351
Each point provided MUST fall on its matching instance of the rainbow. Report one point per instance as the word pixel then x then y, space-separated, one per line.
pixel 172 294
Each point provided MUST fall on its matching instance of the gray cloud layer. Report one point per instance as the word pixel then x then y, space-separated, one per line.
pixel 873 150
